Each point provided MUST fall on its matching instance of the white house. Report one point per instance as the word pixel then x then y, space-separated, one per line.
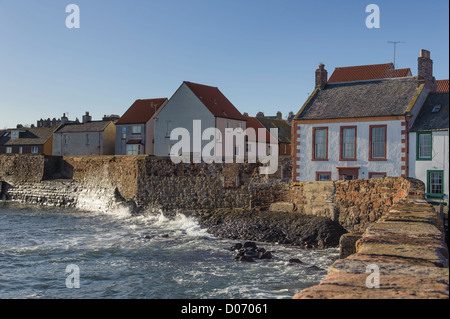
pixel 429 146
pixel 358 125
pixel 196 102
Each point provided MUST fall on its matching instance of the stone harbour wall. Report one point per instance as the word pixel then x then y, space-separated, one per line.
pixel 407 249
pixel 141 181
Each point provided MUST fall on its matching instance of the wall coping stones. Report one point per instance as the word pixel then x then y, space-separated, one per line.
pixel 408 247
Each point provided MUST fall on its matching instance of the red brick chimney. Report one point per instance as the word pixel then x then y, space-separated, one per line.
pixel 425 71
pixel 321 77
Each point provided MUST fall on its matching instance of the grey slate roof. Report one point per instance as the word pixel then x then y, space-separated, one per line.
pixel 427 120
pixel 94 126
pixel 384 97
pixel 284 129
pixel 30 136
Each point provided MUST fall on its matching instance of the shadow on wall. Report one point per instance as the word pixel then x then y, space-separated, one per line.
pixel 55 167
pixel 4 187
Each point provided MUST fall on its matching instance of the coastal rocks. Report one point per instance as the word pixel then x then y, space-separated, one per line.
pixel 249 251
pixel 276 227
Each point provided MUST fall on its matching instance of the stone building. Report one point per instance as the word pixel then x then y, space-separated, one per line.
pixel 357 123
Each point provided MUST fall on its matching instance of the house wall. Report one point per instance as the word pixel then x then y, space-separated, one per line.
pixel 100 143
pixel 222 124
pixel 305 169
pixel 149 137
pixel 109 140
pixel 180 111
pixel 121 144
pixel 48 147
pixel 440 158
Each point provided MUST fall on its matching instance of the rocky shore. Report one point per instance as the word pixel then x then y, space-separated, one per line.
pixel 274 227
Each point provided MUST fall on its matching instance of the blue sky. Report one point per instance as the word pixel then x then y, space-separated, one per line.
pixel 261 54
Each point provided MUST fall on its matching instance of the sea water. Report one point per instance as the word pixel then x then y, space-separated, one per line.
pixel 151 256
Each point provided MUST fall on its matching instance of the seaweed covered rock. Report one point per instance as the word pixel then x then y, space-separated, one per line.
pixel 278 227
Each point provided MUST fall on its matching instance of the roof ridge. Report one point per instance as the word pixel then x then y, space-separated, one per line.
pixel 355 66
pixel 200 84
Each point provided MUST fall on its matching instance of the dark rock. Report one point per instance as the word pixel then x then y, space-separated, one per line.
pixel 236 246
pixel 244 258
pixel 265 226
pixel 251 253
pixel 250 244
pixel 295 261
pixel 148 236
pixel 266 255
pixel 164 236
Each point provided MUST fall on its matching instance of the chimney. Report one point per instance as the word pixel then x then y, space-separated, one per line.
pixel 245 114
pixel 87 118
pixel 321 77
pixel 260 114
pixel 64 119
pixel 279 115
pixel 425 71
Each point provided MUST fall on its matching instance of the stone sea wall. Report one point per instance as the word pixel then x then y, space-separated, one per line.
pixel 142 181
pixel 354 204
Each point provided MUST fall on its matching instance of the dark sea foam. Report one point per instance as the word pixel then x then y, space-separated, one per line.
pixel 147 256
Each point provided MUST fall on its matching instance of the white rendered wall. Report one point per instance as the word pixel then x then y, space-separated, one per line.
pixel 307 168
pixel 439 161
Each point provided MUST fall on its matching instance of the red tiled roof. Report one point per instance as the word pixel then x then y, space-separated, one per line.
pixel 367 72
pixel 141 111
pixel 442 85
pixel 215 101
pixel 253 122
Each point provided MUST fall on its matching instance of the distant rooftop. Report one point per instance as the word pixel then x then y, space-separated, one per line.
pixel 367 72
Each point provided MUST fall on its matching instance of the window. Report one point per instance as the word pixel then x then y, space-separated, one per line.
pixel 20 149
pixel 348 143
pixel 137 129
pixel 320 143
pixel 237 151
pixel 124 133
pixel 88 141
pixel 376 175
pixel 66 139
pixel 133 149
pixel 228 125
pixel 8 150
pixel 424 146
pixel 323 176
pixel 35 150
pixel 168 129
pixel 435 184
pixel 377 143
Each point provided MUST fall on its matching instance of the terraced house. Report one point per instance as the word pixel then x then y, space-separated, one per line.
pixel 356 124
pixel 135 130
pixel 34 140
pixel 429 144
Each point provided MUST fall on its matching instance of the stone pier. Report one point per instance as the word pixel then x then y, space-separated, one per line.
pixel 404 252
